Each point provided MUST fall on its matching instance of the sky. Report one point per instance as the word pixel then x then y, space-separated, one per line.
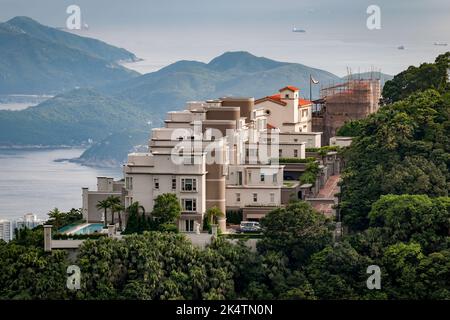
pixel 336 39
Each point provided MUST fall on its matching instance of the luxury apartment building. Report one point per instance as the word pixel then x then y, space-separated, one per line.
pixel 222 153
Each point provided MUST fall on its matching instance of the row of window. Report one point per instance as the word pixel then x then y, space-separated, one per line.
pixel 186 204
pixel 255 197
pixel 262 177
pixel 187 184
pixel 280 153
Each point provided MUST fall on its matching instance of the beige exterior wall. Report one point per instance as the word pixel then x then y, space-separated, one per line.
pixel 264 196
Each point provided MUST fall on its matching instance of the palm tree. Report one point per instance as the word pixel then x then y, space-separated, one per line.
pixel 214 214
pixel 105 205
pixel 113 201
pixel 57 217
pixel 119 209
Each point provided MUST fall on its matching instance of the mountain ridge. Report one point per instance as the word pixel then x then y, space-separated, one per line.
pixel 32 65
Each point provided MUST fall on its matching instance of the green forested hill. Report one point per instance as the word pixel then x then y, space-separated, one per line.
pixel 94 47
pixel 69 119
pixel 232 73
pixel 35 62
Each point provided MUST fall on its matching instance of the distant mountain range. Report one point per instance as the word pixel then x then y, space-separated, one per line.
pixel 369 75
pixel 73 118
pixel 35 59
pixel 115 107
pixel 231 74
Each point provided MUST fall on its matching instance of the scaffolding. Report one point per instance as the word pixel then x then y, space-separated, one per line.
pixel 350 100
pixel 354 96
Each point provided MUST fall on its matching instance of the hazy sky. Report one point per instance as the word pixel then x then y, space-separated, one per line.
pixel 336 35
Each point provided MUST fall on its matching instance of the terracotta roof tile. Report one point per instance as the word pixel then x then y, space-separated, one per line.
pixel 291 88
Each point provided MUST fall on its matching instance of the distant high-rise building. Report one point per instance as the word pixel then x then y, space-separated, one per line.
pixel 29 221
pixel 6 230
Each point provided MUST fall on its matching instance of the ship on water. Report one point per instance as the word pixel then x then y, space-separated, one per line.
pixel 443 44
pixel 298 30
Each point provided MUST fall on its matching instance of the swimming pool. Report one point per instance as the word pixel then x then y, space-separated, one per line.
pixel 87 229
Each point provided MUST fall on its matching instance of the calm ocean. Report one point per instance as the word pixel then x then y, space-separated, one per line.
pixel 31 181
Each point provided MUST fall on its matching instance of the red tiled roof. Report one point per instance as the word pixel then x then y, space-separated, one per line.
pixel 269 126
pixel 273 98
pixel 303 102
pixel 291 88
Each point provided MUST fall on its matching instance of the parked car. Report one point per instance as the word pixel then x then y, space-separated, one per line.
pixel 249 226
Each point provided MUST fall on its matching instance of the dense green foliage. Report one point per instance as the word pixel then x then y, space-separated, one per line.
pixel 60 219
pixel 414 79
pixel 403 148
pixel 311 172
pixel 350 128
pixel 26 272
pixel 296 160
pixel 166 209
pixel 296 259
pixel 297 231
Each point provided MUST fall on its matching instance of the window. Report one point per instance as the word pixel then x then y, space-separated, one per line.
pixel 189 205
pixel 295 140
pixel 238 197
pixel 286 95
pixel 174 183
pixel 249 176
pixel 239 178
pixel 189 225
pixel 263 176
pixel 189 184
pixel 156 183
pixel 274 177
pixel 295 153
pixel 255 197
pixel 129 183
pixel 128 201
pixel 272 197
pixel 280 152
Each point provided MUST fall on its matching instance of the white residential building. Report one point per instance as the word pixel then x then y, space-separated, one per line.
pixel 6 231
pixel 287 111
pixel 222 153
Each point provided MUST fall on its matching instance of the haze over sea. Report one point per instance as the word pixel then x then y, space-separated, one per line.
pixel 31 181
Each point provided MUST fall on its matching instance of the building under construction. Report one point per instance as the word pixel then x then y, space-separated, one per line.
pixel 351 100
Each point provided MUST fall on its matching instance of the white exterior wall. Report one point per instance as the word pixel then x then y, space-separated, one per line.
pixel 251 176
pixel 143 180
pixel 310 139
pixel 278 114
pixel 288 150
pixel 341 141
pixel 246 197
